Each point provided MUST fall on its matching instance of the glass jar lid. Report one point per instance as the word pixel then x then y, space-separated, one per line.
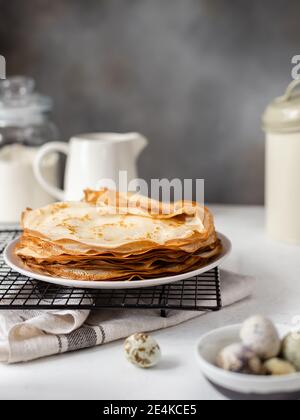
pixel 283 114
pixel 19 103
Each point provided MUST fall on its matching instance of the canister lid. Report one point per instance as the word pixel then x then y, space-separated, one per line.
pixel 283 114
pixel 19 103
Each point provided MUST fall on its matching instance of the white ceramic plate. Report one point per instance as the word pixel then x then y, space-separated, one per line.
pixel 17 265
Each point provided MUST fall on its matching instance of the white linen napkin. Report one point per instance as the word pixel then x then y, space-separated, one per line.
pixel 28 335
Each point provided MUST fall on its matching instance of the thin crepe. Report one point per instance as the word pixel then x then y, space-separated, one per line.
pixel 113 236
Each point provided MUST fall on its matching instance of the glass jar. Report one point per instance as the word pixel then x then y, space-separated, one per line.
pixel 24 127
pixel 24 114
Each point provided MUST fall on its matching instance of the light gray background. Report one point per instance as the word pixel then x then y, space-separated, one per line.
pixel 192 75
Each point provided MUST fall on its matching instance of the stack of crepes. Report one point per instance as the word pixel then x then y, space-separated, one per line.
pixel 112 236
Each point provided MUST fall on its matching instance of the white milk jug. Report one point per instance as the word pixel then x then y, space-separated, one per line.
pixel 281 123
pixel 93 160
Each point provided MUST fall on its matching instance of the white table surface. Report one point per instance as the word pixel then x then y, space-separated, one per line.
pixel 103 372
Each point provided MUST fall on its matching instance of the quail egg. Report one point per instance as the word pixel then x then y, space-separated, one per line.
pixel 239 359
pixel 142 350
pixel 291 349
pixel 260 335
pixel 277 367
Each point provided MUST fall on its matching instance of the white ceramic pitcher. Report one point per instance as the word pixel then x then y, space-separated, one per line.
pixel 92 160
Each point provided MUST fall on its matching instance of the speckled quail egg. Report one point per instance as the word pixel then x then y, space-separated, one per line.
pixel 291 349
pixel 239 359
pixel 142 350
pixel 260 335
pixel 277 367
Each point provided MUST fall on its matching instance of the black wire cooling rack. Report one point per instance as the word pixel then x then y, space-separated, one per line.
pixel 201 293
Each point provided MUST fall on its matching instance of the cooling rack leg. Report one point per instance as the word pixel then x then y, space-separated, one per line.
pixel 218 286
pixel 163 313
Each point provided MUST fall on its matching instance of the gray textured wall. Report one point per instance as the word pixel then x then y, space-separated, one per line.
pixel 192 75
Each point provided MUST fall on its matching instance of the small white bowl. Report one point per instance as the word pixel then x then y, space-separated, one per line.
pixel 238 386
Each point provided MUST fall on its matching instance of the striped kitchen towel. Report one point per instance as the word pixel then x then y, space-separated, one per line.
pixel 28 335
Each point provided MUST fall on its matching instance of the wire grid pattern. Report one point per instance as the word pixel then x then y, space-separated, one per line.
pixel 201 293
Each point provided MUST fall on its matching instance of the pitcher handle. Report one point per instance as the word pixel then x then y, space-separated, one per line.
pixel 45 150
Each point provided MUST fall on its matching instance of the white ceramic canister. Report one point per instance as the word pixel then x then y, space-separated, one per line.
pixel 281 122
pixel 18 187
pixel 25 125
